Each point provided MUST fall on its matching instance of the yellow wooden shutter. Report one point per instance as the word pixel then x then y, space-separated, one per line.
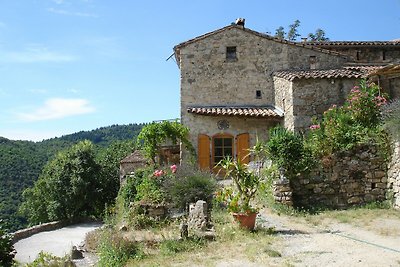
pixel 204 152
pixel 242 147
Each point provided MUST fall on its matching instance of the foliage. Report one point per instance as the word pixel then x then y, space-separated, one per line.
pixel 391 118
pixel 356 122
pixel 109 159
pixel 115 251
pixel 155 134
pixel 7 252
pixel 21 163
pixel 149 191
pixel 68 187
pixel 138 219
pixel 189 185
pixel 286 149
pixel 293 33
pixel 246 184
pixel 45 259
pixel 318 36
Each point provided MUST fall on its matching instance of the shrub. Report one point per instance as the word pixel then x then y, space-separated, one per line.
pixel 115 251
pixel 189 185
pixel 391 118
pixel 45 259
pixel 356 122
pixel 149 191
pixel 286 149
pixel 171 247
pixel 7 252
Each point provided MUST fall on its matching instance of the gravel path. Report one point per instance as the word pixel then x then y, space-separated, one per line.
pixel 58 242
pixel 333 245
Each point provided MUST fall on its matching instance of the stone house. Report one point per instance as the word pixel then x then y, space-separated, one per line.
pixel 237 83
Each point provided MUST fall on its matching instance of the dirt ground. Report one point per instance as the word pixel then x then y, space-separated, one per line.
pixel 375 242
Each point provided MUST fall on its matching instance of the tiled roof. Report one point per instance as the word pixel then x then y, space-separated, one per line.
pixel 353 43
pixel 345 72
pixel 260 112
pixel 262 35
pixel 135 157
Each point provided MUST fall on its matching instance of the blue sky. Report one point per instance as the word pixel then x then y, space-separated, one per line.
pixel 71 65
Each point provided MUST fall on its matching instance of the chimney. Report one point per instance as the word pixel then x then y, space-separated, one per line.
pixel 240 22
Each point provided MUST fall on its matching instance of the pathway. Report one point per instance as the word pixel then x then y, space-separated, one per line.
pixel 58 242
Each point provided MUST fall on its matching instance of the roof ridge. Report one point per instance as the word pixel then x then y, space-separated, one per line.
pixel 263 35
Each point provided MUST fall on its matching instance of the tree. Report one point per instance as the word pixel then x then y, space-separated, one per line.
pixel 280 33
pixel 153 135
pixel 318 36
pixel 68 187
pixel 293 32
pixel 109 158
pixel 7 252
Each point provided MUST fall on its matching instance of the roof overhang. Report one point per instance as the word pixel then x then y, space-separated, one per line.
pixel 268 112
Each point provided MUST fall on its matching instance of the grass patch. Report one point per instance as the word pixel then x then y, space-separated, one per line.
pixel 171 247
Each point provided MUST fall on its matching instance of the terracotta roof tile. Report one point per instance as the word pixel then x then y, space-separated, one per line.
pixel 260 112
pixel 345 72
pixel 352 43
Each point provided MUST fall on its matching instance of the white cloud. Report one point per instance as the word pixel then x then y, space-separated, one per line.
pixel 33 54
pixel 69 13
pixel 57 108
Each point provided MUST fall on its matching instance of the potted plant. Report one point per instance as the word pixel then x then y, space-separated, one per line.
pixel 238 199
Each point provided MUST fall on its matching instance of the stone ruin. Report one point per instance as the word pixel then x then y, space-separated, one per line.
pixel 198 222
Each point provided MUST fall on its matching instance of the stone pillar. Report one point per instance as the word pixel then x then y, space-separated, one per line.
pixel 282 191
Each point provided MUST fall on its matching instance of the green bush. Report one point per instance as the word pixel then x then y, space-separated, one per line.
pixel 115 251
pixel 45 259
pixel 7 252
pixel 189 185
pixel 356 122
pixel 287 150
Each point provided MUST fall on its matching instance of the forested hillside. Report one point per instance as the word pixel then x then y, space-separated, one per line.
pixel 22 161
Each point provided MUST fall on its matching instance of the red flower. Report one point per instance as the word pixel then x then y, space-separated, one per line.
pixel 174 168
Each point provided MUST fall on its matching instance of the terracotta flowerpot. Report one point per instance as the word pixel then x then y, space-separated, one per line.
pixel 246 220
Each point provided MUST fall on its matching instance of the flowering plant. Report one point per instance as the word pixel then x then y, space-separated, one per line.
pixel 245 182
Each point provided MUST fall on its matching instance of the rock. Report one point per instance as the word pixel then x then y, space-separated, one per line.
pixel 123 228
pixel 76 253
pixel 183 227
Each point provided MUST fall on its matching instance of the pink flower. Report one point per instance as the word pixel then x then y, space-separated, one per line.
pixel 173 168
pixel 158 173
pixel 315 126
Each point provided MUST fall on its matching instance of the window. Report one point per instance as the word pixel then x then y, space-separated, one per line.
pixel 383 55
pixel 313 62
pixel 223 147
pixel 358 54
pixel 231 53
pixel 258 94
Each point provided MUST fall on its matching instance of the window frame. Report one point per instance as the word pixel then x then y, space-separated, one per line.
pixel 222 136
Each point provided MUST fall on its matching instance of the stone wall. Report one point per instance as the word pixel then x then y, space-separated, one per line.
pixel 311 97
pixel 394 174
pixel 209 78
pixel 344 180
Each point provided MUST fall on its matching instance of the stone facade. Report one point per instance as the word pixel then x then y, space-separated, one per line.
pixel 345 179
pixel 238 67
pixel 394 174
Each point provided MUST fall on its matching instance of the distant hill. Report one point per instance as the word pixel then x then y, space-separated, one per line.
pixel 22 161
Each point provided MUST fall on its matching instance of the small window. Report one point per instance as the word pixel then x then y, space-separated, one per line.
pixel 258 94
pixel 231 53
pixel 383 55
pixel 358 54
pixel 313 62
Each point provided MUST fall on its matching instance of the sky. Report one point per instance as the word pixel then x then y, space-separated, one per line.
pixel 73 65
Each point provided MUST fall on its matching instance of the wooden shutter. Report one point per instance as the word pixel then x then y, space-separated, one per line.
pixel 204 152
pixel 242 147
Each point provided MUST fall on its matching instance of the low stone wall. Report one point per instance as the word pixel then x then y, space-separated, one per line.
pixel 50 226
pixel 345 179
pixel 24 233
pixel 394 174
